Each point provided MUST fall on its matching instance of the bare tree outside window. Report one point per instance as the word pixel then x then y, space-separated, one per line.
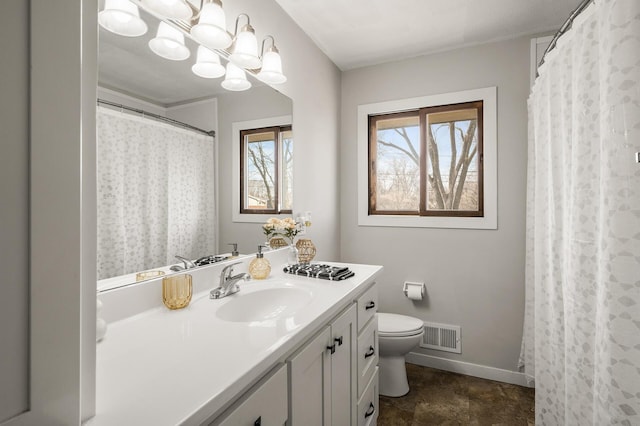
pixel 266 171
pixel 398 163
pixel 427 162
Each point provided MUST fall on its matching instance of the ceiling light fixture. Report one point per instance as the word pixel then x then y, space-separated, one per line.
pixel 245 46
pixel 271 71
pixel 211 29
pixel 122 17
pixel 172 9
pixel 208 29
pixel 207 64
pixel 235 79
pixel 169 43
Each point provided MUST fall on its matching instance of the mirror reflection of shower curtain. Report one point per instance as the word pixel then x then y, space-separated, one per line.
pixel 155 195
pixel 582 322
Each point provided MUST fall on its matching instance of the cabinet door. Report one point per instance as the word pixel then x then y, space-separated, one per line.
pixel 343 368
pixel 310 378
pixel 265 404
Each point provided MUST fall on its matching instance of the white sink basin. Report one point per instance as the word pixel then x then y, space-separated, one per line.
pixel 265 304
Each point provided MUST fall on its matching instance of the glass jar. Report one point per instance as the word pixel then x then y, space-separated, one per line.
pixel 177 291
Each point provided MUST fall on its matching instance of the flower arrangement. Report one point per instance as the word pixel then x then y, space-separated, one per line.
pixel 286 227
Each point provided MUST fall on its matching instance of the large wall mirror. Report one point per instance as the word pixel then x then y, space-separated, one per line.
pixel 157 180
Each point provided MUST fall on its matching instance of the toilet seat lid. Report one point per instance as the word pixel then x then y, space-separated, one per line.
pixel 395 324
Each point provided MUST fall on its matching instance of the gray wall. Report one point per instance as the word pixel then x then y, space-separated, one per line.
pixel 314 86
pixel 14 208
pixel 475 278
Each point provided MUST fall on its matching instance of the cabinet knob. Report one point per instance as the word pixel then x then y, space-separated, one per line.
pixel 370 410
pixel 370 352
pixel 338 340
pixel 370 305
pixel 258 421
pixel 332 348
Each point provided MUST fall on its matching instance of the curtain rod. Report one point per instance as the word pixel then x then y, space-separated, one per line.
pixel 211 133
pixel 564 28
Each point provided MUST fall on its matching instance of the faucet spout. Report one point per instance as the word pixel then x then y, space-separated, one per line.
pixel 228 282
pixel 188 264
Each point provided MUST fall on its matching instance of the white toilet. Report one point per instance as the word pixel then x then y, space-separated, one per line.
pixel 397 335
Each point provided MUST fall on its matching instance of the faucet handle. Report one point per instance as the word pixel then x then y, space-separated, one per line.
pixel 227 270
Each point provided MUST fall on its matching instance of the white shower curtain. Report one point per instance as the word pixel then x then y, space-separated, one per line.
pixel 582 324
pixel 155 193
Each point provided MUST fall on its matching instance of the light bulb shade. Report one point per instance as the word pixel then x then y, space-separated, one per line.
pixel 245 51
pixel 122 17
pixel 271 71
pixel 235 79
pixel 169 43
pixel 207 64
pixel 174 9
pixel 211 29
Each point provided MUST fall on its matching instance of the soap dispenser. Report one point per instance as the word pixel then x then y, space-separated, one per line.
pixel 259 268
pixel 234 253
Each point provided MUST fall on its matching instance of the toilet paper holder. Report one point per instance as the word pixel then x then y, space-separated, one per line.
pixel 409 284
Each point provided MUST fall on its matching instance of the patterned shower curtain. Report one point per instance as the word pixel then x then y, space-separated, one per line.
pixel 155 193
pixel 582 324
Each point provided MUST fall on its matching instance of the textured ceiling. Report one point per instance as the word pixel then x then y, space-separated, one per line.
pixel 358 33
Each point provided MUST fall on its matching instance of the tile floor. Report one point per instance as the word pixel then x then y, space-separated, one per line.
pixel 443 398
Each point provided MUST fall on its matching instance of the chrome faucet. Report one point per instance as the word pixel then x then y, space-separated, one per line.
pixel 188 264
pixel 228 283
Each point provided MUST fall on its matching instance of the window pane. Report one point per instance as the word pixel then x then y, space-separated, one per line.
pixel 260 171
pixel 398 163
pixel 452 171
pixel 287 169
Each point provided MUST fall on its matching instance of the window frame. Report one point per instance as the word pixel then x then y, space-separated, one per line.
pixel 421 114
pixel 278 170
pixel 488 135
pixel 236 128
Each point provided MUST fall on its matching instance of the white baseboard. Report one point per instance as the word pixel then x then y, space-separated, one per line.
pixel 467 368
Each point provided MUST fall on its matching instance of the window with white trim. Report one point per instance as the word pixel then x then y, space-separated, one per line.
pixel 429 161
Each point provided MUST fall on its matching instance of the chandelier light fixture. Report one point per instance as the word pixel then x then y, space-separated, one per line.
pixel 206 26
pixel 169 43
pixel 245 46
pixel 271 71
pixel 235 79
pixel 211 29
pixel 207 64
pixel 123 18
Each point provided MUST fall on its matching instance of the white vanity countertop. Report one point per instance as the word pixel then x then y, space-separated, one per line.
pixel 164 367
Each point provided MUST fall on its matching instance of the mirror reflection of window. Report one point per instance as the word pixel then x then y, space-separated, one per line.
pixel 266 170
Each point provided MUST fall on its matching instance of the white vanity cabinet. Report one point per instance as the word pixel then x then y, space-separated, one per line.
pixel 334 375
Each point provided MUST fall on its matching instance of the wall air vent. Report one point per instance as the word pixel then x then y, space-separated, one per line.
pixel 442 337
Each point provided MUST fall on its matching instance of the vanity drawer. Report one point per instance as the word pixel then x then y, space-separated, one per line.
pixel 367 354
pixel 368 403
pixel 264 404
pixel 367 306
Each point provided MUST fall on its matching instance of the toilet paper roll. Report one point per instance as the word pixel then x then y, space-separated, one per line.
pixel 414 292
